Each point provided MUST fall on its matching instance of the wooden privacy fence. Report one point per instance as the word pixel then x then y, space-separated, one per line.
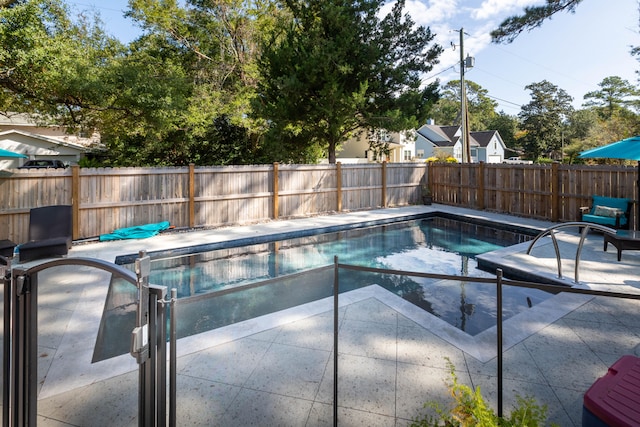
pixel 106 199
pixel 111 198
pixel 552 192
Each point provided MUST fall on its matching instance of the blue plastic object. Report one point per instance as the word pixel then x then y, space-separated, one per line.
pixel 136 232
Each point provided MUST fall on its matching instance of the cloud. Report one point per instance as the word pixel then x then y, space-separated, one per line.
pixel 426 13
pixel 492 8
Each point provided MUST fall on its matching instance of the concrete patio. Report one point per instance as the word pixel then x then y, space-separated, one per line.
pixel 277 370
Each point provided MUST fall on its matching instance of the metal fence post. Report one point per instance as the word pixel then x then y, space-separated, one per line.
pixel 172 357
pixel 336 289
pixel 499 337
pixel 20 349
pixel 158 351
pixel 148 346
pixel 6 345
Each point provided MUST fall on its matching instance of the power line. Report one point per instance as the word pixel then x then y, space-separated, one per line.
pixel 438 73
pixel 93 6
pixel 504 100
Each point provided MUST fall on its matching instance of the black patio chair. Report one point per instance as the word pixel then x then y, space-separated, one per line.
pixel 6 248
pixel 50 233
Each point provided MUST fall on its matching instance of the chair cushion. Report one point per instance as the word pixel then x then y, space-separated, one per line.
pixel 607 211
pixel 47 248
pixel 611 202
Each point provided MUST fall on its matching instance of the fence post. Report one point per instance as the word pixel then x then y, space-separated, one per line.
pixel 499 333
pixel 384 184
pixel 480 196
pixel 555 190
pixel 75 202
pixel 430 183
pixel 275 190
pixel 339 186
pixel 192 196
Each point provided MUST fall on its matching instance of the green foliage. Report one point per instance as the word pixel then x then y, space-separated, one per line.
pixel 532 18
pixel 507 125
pixel 336 68
pixel 197 87
pixel 469 409
pixel 543 119
pixel 615 94
pixel 481 108
pixel 90 162
pixel 52 66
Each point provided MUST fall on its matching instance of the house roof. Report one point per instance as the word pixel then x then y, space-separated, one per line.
pixel 446 136
pixel 483 138
pixel 442 136
pixel 48 139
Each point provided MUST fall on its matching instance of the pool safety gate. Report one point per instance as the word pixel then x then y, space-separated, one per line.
pixel 148 341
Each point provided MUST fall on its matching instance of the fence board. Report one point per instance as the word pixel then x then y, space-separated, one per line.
pixel 110 198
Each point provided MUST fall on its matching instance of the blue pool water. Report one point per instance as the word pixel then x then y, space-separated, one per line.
pixel 432 245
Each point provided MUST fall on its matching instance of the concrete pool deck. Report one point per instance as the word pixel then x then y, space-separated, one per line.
pixel 277 369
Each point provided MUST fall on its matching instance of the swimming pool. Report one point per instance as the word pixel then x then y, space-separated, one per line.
pixel 293 272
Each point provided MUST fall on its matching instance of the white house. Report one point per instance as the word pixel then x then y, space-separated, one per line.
pixel 490 146
pixel 20 134
pixel 433 140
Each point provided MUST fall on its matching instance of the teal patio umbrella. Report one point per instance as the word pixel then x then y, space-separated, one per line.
pixel 6 154
pixel 626 149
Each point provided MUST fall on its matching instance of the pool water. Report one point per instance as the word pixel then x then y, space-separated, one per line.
pixel 294 274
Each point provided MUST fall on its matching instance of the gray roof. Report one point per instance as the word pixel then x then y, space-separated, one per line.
pixel 445 136
pixel 484 137
pixel 442 136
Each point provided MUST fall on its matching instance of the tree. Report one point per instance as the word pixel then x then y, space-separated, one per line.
pixel 543 119
pixel 217 44
pixel 615 94
pixel 507 125
pixel 614 128
pixel 54 68
pixel 337 68
pixel 581 122
pixel 481 108
pixel 73 74
pixel 533 17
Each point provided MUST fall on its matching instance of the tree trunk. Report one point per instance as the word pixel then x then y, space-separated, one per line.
pixel 332 152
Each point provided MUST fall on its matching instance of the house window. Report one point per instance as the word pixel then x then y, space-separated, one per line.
pixel 420 154
pixel 407 155
pixel 495 145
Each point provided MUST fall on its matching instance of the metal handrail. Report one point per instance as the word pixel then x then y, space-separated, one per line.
pixel 585 226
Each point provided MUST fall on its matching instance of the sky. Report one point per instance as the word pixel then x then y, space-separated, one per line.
pixel 575 51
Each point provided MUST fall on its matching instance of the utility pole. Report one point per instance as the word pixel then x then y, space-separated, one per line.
pixel 464 112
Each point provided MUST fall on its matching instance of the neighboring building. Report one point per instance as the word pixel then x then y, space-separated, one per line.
pixel 20 134
pixel 401 147
pixel 491 147
pixel 433 140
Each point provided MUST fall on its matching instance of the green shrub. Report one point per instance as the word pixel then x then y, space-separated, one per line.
pixel 470 410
